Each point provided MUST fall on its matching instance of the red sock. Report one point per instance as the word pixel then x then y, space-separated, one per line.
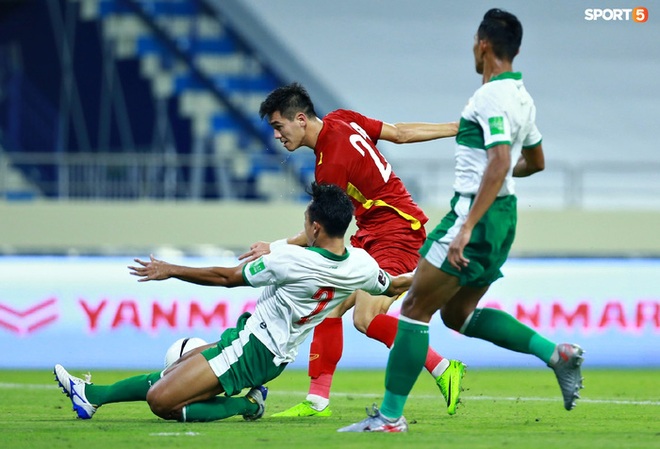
pixel 432 360
pixel 383 328
pixel 324 354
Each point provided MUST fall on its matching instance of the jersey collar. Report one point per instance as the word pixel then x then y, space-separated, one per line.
pixel 327 254
pixel 507 75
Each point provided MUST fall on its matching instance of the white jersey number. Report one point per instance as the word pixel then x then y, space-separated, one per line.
pixel 359 142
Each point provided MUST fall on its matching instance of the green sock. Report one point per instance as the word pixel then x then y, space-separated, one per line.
pixel 219 407
pixel 131 389
pixel 504 330
pixel 406 361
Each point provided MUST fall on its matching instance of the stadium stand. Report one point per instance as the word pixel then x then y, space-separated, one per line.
pixel 200 75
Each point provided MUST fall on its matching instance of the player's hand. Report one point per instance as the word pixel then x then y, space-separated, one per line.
pixel 455 252
pixel 257 250
pixel 154 270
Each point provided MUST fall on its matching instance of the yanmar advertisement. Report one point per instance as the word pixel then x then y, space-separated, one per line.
pixel 88 312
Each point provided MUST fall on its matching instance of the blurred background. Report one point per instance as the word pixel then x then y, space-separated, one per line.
pixel 128 99
pixel 130 127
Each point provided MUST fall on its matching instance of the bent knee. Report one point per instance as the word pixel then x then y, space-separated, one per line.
pixel 158 406
pixel 453 318
pixel 417 310
pixel 361 323
pixel 367 307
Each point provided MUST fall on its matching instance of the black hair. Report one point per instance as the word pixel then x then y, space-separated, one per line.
pixel 503 30
pixel 331 207
pixel 288 100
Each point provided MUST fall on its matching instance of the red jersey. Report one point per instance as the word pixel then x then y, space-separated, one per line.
pixel 346 155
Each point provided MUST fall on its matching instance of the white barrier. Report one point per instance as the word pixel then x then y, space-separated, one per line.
pixel 88 312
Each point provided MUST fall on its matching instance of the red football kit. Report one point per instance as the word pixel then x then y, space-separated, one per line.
pixel 390 224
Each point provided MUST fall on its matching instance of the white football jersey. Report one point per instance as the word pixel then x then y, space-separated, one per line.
pixel 302 285
pixel 500 112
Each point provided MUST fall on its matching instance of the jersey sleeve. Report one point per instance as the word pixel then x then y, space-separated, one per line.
pixel 367 126
pixel 380 283
pixel 492 120
pixel 377 279
pixel 533 138
pixel 269 269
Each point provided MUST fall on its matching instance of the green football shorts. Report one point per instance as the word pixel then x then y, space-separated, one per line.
pixel 240 360
pixel 489 244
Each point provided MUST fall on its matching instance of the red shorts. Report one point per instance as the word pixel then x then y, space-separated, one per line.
pixel 395 249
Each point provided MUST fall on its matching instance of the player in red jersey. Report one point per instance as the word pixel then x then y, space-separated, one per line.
pixel 390 225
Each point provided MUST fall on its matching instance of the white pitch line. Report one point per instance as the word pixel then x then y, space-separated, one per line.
pixel 175 434
pixel 473 398
pixel 16 386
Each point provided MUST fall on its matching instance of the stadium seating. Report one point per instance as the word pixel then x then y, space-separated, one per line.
pixel 196 66
pixel 190 52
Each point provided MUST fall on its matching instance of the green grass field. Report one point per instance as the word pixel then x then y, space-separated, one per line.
pixel 500 409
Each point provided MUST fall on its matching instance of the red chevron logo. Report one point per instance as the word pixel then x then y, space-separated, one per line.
pixel 30 320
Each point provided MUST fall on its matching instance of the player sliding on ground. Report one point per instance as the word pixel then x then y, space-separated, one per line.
pixel 390 226
pixel 302 285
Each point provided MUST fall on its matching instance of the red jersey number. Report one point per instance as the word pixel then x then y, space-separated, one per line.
pixel 323 295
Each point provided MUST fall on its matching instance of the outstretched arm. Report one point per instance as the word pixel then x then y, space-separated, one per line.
pixel 159 270
pixel 417 132
pixel 399 284
pixel 258 249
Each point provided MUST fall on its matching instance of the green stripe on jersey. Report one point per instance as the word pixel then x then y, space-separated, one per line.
pixel 504 142
pixel 470 134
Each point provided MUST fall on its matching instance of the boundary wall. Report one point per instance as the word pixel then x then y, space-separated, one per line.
pixel 38 227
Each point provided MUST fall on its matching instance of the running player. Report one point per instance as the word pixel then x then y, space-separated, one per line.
pixel 390 226
pixel 497 140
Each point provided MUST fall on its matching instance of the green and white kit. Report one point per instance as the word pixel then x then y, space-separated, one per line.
pixel 500 112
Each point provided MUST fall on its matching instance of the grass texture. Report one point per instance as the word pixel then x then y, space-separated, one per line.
pixel 499 409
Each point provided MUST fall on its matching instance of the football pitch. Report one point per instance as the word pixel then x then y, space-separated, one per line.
pixel 499 409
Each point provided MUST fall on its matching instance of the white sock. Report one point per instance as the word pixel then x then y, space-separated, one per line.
pixel 319 403
pixel 555 357
pixel 440 368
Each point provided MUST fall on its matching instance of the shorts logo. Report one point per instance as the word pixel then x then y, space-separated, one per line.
pixel 496 125
pixel 257 266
